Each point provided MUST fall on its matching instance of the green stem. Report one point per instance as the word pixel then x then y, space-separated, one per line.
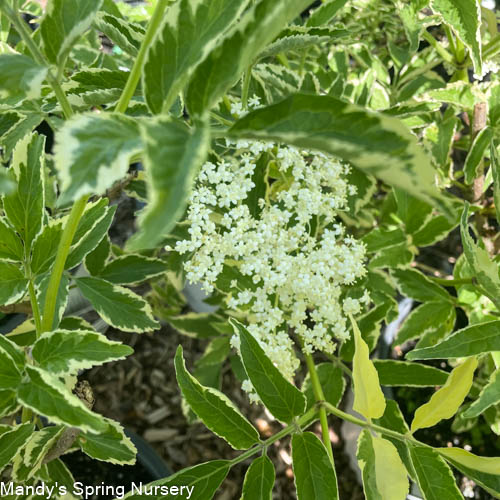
pixel 369 425
pixel 62 253
pixel 302 423
pixel 340 364
pixel 24 33
pixel 451 41
pixel 135 74
pixel 34 306
pixel 439 48
pixel 245 87
pixel 319 396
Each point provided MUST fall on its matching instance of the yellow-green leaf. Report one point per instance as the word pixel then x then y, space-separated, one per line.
pixel 488 465
pixel 369 399
pixel 445 402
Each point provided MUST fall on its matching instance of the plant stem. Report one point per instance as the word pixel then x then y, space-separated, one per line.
pixel 368 425
pixel 245 87
pixel 22 29
pixel 62 253
pixel 340 363
pixel 302 423
pixel 453 282
pixel 439 48
pixel 319 396
pixel 135 74
pixel 34 306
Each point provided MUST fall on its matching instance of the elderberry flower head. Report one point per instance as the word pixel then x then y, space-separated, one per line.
pixel 266 215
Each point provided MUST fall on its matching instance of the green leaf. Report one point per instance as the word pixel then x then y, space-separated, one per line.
pixel 89 163
pixel 488 465
pixel 490 482
pixel 111 446
pixel 96 260
pixel 8 403
pixel 132 269
pixel 332 382
pixel 10 376
pixel 191 30
pixel 412 211
pixel 495 169
pixel 43 393
pixel 445 402
pixel 128 36
pixel 20 77
pixel 216 411
pixel 25 208
pixel 315 477
pixel 464 17
pixel 440 138
pixel 13 284
pixel 427 318
pixel 375 143
pixel 259 480
pixel 198 325
pixel 459 93
pixel 325 12
pixel 13 440
pixel 485 269
pixel 379 239
pixel 196 483
pixel 383 472
pixel 174 154
pixel 469 341
pixel 281 398
pixel 403 373
pixel 29 461
pixel 435 479
pixel 11 247
pixel 476 154
pixel 45 247
pixel 83 244
pixel 398 256
pixel 63 23
pixel 117 305
pixel 394 420
pixel 14 351
pixel 369 399
pixel 296 42
pixel 490 395
pixel 414 284
pixel 222 67
pixel 6 183
pixel 65 352
pixel 25 125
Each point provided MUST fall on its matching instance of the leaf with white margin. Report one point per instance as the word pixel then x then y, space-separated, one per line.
pixel 173 156
pixel 111 446
pixel 13 350
pixel 29 461
pixel 191 29
pixel 11 247
pixel 20 76
pixel 92 151
pixel 118 306
pixel 488 465
pixel 379 145
pixel 25 207
pixel 435 478
pixel 464 17
pixel 10 376
pixel 8 403
pixel 489 395
pixel 485 269
pixel 13 284
pixel 68 351
pixel 63 23
pixel 384 474
pixel 216 411
pixel 43 393
pixel 132 269
pixel 13 440
pixel 445 402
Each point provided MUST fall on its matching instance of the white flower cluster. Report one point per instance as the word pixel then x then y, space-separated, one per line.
pixel 295 251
